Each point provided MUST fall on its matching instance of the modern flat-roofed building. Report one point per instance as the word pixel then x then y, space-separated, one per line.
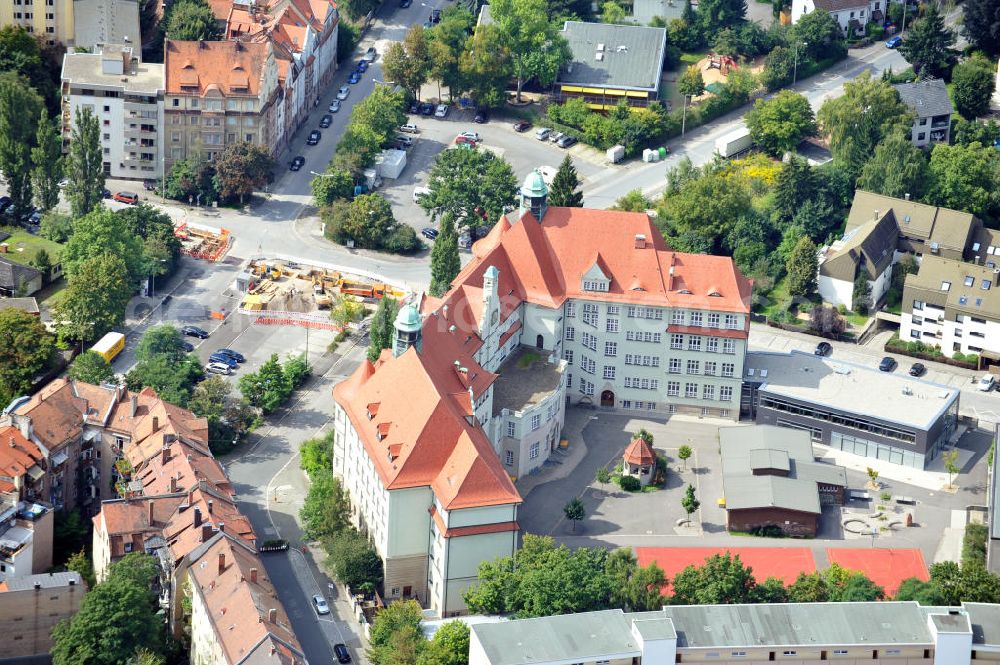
pixel 801 633
pixel 126 97
pixel 100 22
pixel 30 607
pixel 890 417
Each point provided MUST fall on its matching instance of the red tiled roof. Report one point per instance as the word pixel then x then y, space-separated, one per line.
pixel 195 67
pixel 17 454
pixel 639 452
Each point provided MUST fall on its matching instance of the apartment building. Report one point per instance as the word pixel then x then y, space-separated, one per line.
pixel 800 633
pixel 558 305
pixel 853 16
pixel 932 109
pixel 25 521
pixel 97 23
pixel 30 607
pixel 51 19
pixel 126 97
pixel 218 93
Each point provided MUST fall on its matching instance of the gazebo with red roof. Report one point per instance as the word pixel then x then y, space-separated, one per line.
pixel 640 460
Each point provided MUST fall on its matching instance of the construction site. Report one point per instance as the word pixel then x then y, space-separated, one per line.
pixel 203 243
pixel 284 292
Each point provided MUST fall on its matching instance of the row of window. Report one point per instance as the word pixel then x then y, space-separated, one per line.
pixel 708 368
pixel 216 104
pixel 635 336
pixel 696 367
pixel 714 319
pixel 707 391
pixel 770 402
pixel 642 383
pixel 642 360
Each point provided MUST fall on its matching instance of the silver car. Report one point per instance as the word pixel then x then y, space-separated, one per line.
pixel 334 106
pixel 218 368
pixel 343 92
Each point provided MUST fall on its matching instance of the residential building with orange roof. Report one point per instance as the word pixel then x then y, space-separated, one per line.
pixel 25 521
pixel 218 93
pixel 559 305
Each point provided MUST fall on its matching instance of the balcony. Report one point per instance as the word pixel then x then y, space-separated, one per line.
pixel 139 131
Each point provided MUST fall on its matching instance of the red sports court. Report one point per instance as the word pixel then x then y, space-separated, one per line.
pixel 785 563
pixel 885 567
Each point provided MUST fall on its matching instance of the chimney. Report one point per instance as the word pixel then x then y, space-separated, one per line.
pixel 206 531
pixel 173 484
pixel 253 575
pixel 222 527
pixel 38 586
pixel 222 562
pixel 156 423
pixel 149 513
pixel 210 502
pixel 272 615
pixel 640 241
pixel 165 451
pixel 197 517
pixel 133 405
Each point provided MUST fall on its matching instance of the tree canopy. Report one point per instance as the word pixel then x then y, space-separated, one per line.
pixel 192 20
pixel 26 350
pixel 91 367
pixel 242 168
pixel 408 63
pixel 897 168
pixel 565 190
pixel 535 47
pixel 20 108
pixel 85 164
pixel 474 187
pixel 96 299
pixel 929 44
pixel 47 161
pixel 966 177
pixel 779 124
pixel 368 222
pixel 104 232
pixel 445 262
pixel 982 25
pixel 973 82
pixel 382 331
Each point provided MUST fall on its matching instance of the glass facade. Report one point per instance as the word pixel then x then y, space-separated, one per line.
pixel 881 451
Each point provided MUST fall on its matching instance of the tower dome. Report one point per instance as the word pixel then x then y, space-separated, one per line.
pixel 407 324
pixel 534 195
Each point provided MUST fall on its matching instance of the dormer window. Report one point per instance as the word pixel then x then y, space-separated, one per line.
pixel 595 285
pixel 382 431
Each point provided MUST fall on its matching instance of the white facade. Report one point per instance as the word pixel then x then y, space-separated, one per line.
pixel 968 335
pixel 844 13
pixel 206 649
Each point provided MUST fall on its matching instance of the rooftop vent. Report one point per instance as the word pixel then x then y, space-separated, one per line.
pixel 600 48
pixel 599 56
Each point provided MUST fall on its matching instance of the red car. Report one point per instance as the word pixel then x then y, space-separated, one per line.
pixel 460 139
pixel 126 197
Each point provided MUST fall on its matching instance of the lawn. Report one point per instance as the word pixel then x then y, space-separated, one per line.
pixel 22 246
pixel 693 57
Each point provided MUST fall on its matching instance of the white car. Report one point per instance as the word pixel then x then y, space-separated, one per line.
pixel 472 136
pixel 218 368
pixel 409 128
pixel 419 193
pixel 334 106
pixel 319 602
pixel 442 111
pixel 343 92
pixel 986 383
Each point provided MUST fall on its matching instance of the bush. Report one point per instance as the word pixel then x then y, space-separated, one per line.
pixel 297 370
pixel 974 545
pixel 403 240
pixel 629 483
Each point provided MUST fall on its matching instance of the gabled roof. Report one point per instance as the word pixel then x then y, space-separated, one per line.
pixel 926 98
pixel 13 275
pixel 60 409
pixel 639 452
pixel 632 57
pixel 197 66
pixel 875 240
pixel 949 228
pixel 17 454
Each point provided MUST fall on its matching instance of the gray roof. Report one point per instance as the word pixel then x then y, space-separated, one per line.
pixel 87 69
pixel 12 275
pixel 643 11
pixel 794 624
pixel 97 22
pixel 875 240
pixel 29 305
pixel 839 5
pixel 949 228
pixel 926 98
pixel 846 387
pixel 745 448
pixel 985 620
pixel 632 57
pixel 46 580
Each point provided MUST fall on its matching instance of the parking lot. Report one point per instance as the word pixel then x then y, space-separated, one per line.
pixel 523 151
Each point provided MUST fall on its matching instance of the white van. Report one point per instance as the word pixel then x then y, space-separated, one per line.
pixel 217 368
pixel 419 193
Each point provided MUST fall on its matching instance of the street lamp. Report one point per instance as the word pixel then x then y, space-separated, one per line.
pixel 795 67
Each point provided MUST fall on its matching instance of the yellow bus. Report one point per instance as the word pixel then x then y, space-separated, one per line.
pixel 109 346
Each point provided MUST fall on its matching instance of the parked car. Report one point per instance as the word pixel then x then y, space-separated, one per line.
pixel 130 198
pixel 319 602
pixel 555 136
pixel 894 42
pixel 362 66
pixel 414 106
pixel 106 193
pixel 986 382
pixel 429 233
pixel 235 355
pixel 194 331
pixel 314 137
pixel 522 126
pixel 342 92
pixel 34 219
pixel 473 136
pixel 917 369
pixel 543 133
pixel 462 139
pixel 218 368
pixel 409 128
pixel 187 346
pixel 355 77
pixel 224 359
pixel 823 349
pixel 340 650
pixel 5 202
pixel 442 111
pixel 326 120
pixel 334 106
pixel 405 140
pixel 296 163
pixel 566 141
pixel 403 4
pixel 482 116
pixel 150 185
pixel 426 108
pixel 435 16
pixel 887 365
pixel 371 54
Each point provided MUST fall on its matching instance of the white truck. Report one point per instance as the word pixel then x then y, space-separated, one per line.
pixel 391 163
pixel 734 143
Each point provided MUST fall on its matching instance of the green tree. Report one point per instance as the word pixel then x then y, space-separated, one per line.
pixel 779 124
pixel 402 617
pixel 407 63
pixel 705 208
pixel 950 457
pixel 690 84
pixel 56 227
pixel 972 85
pixel 861 294
pixel 103 232
pixel 844 586
pixel 689 502
pixel 612 13
pixel 243 168
pixel 770 591
pixel 808 588
pixel 982 25
pixel 929 44
pixel 23 56
pixel 161 249
pixel 383 330
pixel 172 378
pixel 484 67
pixel 190 179
pixel 326 510
pixel 26 349
pixel 228 418
pixel 446 43
pixel 80 563
pixel 192 20
pixel 474 187
pixel 316 455
pixel 684 454
pixel 116 618
pixel 966 132
pixel 857 121
pixel 897 168
pixel 297 369
pixel 602 475
pixel 20 107
pixel 353 561
pixel 368 222
pixel 70 533
pixel 85 164
pixel 574 512
pixel 42 262
pixel 795 184
pixel 46 158
pixel 449 646
pixel 717 14
pixel 534 46
pixel 634 201
pixel 445 262
pixel 96 298
pixel 925 593
pixel 91 367
pixel 162 340
pixel 564 191
pixel 966 177
pixel 346 310
pixel 802 266
pixel 268 387
pixel 819 37
pixel 779 68
pixel 332 185
pixel 721 580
